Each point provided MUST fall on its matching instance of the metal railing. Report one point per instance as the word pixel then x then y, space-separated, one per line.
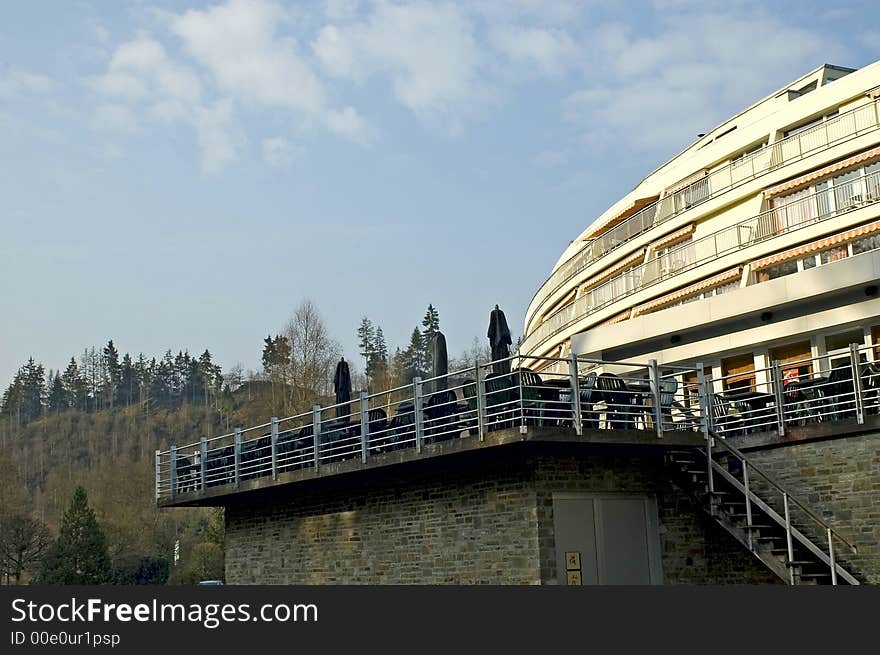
pixel 834 131
pixel 842 385
pixel 783 219
pixel 742 474
pixel 470 403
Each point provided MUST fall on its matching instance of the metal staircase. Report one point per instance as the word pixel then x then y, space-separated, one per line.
pixel 781 531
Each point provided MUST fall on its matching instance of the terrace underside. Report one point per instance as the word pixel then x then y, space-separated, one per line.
pixel 454 452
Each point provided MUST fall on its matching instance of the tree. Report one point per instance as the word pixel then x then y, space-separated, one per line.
pixel 79 555
pixel 430 327
pixel 112 373
pixel 313 356
pixel 128 388
pixel 74 386
pixel 23 542
pixel 57 395
pixel 366 334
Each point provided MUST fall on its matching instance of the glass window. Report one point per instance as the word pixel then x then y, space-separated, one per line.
pixel 823 206
pixel 808 262
pixel 843 339
pixel 833 254
pixel 867 244
pixel 872 182
pixel 847 190
pixel 781 270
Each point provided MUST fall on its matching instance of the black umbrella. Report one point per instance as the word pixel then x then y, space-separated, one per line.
pixel 342 386
pixel 499 341
pixel 441 362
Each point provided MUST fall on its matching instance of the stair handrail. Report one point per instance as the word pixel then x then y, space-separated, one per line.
pixel 781 489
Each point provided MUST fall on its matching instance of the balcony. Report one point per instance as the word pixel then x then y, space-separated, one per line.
pixel 637 405
pixel 855 122
pixel 784 219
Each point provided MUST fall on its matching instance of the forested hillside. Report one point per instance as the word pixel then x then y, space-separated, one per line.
pixel 98 423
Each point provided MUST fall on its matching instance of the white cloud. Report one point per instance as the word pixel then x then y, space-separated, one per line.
pixel 237 43
pixel 427 51
pixel 217 139
pixel 660 90
pixel 551 50
pixel 18 83
pixel 279 152
pixel 114 118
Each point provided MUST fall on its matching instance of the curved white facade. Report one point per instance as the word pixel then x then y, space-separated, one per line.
pixel 761 237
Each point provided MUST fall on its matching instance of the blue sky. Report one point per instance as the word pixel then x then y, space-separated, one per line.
pixel 183 174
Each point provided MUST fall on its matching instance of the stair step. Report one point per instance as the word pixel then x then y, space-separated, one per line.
pixel 758 527
pixel 802 562
pixel 814 576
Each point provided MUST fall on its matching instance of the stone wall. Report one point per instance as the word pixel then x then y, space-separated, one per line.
pixel 477 522
pixel 476 526
pixel 839 479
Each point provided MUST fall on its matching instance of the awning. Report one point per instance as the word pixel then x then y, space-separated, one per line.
pixel 681 184
pixel 821 244
pixel 674 237
pixel 637 256
pixel 684 292
pixel 623 316
pixel 633 208
pixel 803 180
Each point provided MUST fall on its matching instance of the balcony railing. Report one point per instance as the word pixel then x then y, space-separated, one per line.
pixel 841 385
pixel 847 125
pixel 467 404
pixel 784 219
pixel 570 395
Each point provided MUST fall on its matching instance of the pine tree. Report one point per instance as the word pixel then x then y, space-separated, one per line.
pixel 430 327
pixel 79 555
pixel 33 390
pixel 377 367
pixel 74 386
pixel 112 373
pixel 57 395
pixel 127 389
pixel 366 334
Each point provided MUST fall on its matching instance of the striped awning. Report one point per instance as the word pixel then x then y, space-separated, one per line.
pixel 623 316
pixel 804 180
pixel 674 237
pixel 634 207
pixel 637 256
pixel 681 184
pixel 684 292
pixel 821 244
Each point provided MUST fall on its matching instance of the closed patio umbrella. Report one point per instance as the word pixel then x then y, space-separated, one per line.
pixel 441 362
pixel 499 341
pixel 342 387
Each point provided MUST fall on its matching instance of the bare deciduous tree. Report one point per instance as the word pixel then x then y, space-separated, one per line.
pixel 313 355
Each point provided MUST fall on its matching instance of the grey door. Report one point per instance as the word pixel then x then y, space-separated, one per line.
pixel 606 539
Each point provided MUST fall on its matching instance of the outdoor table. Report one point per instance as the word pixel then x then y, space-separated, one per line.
pixel 756 402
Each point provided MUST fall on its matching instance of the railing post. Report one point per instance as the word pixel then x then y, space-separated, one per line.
pixel 274 447
pixel 316 432
pixel 575 383
pixel 522 403
pixel 173 451
pixel 481 400
pixel 779 397
pixel 745 466
pixel 831 557
pixel 857 382
pixel 236 451
pixel 703 391
pixel 365 426
pixel 788 538
pixel 418 417
pixel 654 378
pixel 158 473
pixel 203 462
